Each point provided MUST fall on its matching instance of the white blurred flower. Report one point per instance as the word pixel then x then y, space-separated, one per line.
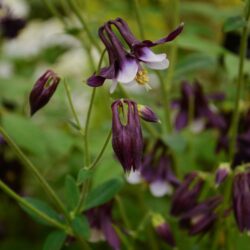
pixel 6 69
pixel 160 188
pixel 19 8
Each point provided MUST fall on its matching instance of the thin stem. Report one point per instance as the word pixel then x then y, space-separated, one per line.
pixel 122 212
pixel 240 87
pixel 27 163
pixel 138 19
pixel 72 106
pixel 76 10
pixel 166 102
pixel 53 10
pixel 26 204
pixel 98 158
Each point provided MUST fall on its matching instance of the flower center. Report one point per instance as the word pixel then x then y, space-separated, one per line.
pixel 142 77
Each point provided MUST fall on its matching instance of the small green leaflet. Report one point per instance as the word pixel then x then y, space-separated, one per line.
pixel 81 226
pixel 55 240
pixel 72 192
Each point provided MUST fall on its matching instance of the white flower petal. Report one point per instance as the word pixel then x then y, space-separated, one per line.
pixel 160 188
pixel 113 86
pixel 96 235
pixel 134 177
pixel 128 71
pixel 149 56
pixel 197 126
pixel 158 65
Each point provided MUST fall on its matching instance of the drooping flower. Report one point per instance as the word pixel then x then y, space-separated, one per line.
pixel 194 107
pixel 187 194
pixel 125 66
pixel 241 200
pixel 127 140
pixel 157 170
pixel 43 90
pixel 163 229
pixel 100 220
pixel 201 218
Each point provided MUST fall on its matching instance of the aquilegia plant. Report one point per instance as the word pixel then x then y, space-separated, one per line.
pixel 167 194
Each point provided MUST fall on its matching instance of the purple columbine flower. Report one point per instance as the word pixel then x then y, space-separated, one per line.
pixel 157 170
pixel 43 90
pixel 186 195
pixel 127 140
pixel 163 229
pixel 125 66
pixel 221 173
pixel 201 218
pixel 194 105
pixel 241 200
pixel 100 220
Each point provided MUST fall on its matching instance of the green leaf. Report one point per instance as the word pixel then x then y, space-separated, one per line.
pixel 55 240
pixel 83 175
pixel 234 23
pixel 176 142
pixel 81 226
pixel 72 192
pixel 25 133
pixel 103 193
pixel 43 207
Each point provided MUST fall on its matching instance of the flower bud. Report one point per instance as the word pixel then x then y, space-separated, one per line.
pixel 162 228
pixel 147 114
pixel 43 90
pixel 241 200
pixel 222 173
pixel 127 138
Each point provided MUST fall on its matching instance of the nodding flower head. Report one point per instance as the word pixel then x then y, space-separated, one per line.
pixel 127 138
pixel 125 67
pixel 43 90
pixel 194 104
pixel 241 200
pixel 186 195
pixel 201 218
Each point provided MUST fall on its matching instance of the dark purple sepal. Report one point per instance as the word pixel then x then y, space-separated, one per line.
pixel 164 231
pixel 41 94
pixel 241 200
pixel 147 114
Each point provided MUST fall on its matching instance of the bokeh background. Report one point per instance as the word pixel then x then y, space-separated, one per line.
pixel 205 53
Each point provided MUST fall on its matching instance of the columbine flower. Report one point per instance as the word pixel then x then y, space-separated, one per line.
pixel 43 90
pixel 194 104
pixel 221 173
pixel 186 195
pixel 162 228
pixel 201 217
pixel 241 200
pixel 125 66
pixel 100 220
pixel 157 170
pixel 127 138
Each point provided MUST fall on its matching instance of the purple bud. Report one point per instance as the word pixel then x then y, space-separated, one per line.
pixel 162 228
pixel 147 114
pixel 43 90
pixel 222 173
pixel 241 200
pixel 127 138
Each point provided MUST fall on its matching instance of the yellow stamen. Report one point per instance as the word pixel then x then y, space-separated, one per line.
pixel 142 77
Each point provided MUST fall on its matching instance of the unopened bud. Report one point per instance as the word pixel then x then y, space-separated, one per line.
pixel 222 173
pixel 147 114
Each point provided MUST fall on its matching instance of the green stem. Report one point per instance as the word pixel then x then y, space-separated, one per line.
pixel 27 163
pixel 240 87
pixel 72 106
pixel 138 19
pixel 76 10
pixel 96 161
pixel 123 213
pixel 53 10
pixel 166 103
pixel 26 204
